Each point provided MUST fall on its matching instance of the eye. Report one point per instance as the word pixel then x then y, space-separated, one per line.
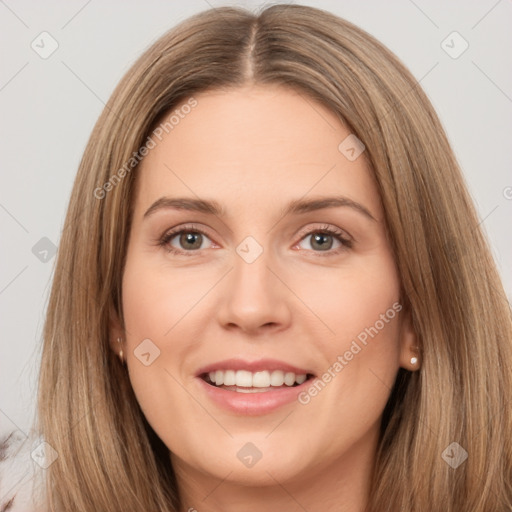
pixel 322 240
pixel 184 240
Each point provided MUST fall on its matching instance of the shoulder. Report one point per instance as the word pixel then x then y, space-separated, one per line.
pixel 21 472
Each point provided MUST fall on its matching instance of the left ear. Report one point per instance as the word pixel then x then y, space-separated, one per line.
pixel 409 346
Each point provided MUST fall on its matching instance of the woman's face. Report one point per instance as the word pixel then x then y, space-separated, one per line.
pixel 292 278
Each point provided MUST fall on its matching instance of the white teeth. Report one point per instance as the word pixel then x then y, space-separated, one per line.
pixel 289 378
pixel 277 378
pixel 243 379
pixel 229 378
pixel 300 378
pixel 263 379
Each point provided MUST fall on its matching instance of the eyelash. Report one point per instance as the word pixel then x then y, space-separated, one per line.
pixel 323 230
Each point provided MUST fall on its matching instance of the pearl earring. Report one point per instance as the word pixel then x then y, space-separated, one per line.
pixel 119 340
pixel 414 360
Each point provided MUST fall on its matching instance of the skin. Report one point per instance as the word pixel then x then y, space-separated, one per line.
pixel 254 149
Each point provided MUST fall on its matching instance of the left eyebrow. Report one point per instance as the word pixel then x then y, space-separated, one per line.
pixel 303 206
pixel 296 206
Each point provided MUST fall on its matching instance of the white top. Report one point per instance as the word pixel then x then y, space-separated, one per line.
pixel 23 463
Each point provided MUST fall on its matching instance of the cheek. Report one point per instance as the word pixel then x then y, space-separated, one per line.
pixel 362 361
pixel 153 305
pixel 156 298
pixel 353 300
pixel 359 310
pixel 167 307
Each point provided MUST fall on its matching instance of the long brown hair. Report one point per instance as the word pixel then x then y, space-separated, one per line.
pixel 109 457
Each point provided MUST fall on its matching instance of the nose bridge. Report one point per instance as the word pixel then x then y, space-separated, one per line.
pixel 251 276
pixel 254 295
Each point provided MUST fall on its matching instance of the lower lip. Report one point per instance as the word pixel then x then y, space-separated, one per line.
pixel 252 404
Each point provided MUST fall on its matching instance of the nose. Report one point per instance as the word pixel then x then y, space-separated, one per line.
pixel 255 299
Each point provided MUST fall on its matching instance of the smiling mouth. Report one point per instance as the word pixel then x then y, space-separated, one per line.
pixel 243 381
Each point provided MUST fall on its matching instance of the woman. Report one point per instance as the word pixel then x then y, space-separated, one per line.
pixel 336 336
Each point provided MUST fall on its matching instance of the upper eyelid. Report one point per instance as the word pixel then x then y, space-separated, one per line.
pixel 325 227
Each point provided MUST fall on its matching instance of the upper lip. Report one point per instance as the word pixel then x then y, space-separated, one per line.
pixel 252 366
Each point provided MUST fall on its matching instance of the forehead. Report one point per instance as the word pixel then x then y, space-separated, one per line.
pixel 253 143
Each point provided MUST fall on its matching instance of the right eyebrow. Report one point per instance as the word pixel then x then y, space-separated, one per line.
pixel 186 203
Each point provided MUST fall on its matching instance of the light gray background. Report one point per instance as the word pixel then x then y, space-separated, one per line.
pixel 49 106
